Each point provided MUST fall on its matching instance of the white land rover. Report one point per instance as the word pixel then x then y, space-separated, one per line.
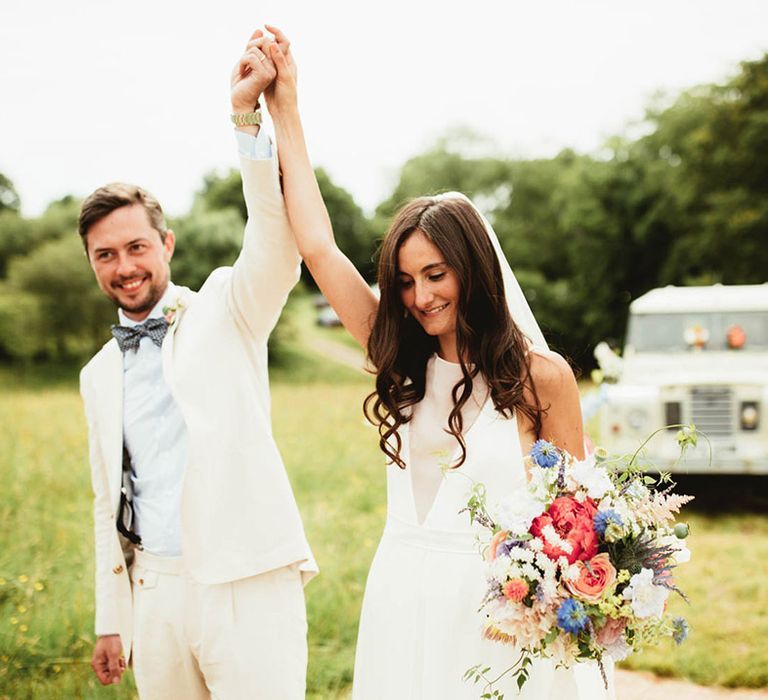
pixel 694 355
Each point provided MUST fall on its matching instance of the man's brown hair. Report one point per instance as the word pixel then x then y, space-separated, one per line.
pixel 107 199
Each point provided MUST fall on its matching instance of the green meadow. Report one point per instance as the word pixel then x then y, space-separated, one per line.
pixel 46 563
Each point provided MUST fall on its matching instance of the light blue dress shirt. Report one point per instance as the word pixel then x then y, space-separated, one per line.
pixel 156 439
pixel 153 427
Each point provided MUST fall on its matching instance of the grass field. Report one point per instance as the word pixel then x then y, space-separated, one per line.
pixel 46 567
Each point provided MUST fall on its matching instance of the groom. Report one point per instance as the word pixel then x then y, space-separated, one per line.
pixel 200 551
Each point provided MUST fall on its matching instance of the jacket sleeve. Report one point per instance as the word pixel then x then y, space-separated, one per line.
pixel 107 617
pixel 269 264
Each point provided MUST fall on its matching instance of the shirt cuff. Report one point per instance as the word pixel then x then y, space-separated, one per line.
pixel 257 147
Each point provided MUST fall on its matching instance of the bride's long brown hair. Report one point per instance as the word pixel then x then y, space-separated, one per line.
pixel 487 339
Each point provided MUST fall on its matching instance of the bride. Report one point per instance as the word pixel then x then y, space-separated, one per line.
pixel 464 385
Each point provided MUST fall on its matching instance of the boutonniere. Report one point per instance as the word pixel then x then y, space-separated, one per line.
pixel 171 313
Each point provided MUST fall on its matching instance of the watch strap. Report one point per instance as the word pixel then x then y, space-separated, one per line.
pixel 247 118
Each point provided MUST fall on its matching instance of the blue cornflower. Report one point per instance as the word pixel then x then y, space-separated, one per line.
pixel 604 518
pixel 679 630
pixel 571 616
pixel 545 454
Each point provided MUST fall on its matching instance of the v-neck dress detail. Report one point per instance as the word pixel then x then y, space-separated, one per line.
pixel 420 628
pixel 430 450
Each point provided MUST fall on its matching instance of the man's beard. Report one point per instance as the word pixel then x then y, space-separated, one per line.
pixel 154 294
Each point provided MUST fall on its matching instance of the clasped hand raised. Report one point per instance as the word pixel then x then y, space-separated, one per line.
pixel 266 67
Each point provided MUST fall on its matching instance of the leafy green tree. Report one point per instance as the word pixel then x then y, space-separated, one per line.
pixel 536 240
pixel 221 192
pixel 17 237
pixel 68 316
pixel 59 219
pixel 9 198
pixel 20 236
pixel 22 326
pixel 446 167
pixel 205 239
pixel 713 140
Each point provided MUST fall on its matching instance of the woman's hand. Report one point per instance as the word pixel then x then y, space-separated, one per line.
pixel 252 74
pixel 281 94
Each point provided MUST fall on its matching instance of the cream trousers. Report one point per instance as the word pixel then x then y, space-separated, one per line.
pixel 246 639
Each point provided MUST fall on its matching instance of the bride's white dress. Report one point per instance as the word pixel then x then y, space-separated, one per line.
pixel 420 628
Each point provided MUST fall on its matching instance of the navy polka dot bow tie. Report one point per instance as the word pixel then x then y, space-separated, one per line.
pixel 129 337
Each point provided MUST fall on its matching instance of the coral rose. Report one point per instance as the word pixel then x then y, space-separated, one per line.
pixel 595 577
pixel 572 521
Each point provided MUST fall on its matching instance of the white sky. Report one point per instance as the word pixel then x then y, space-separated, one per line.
pixel 93 91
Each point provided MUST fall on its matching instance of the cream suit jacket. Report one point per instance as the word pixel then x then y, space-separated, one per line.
pixel 238 514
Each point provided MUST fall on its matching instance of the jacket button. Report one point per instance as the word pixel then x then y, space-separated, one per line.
pixel 118 569
pixel 141 581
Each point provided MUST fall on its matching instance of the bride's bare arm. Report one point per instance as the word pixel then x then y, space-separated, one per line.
pixel 562 424
pixel 337 277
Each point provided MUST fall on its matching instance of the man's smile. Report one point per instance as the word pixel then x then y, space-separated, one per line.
pixel 132 285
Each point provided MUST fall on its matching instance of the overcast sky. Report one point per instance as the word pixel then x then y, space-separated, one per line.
pixel 97 90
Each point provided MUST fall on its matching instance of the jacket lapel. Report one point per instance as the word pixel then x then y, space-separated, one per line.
pixel 177 312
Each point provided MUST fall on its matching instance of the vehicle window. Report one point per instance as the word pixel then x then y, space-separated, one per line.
pixel 683 332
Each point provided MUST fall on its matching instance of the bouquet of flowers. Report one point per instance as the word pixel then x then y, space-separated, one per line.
pixel 580 560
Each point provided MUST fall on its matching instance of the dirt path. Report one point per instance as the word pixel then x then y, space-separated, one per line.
pixel 632 685
pixel 338 352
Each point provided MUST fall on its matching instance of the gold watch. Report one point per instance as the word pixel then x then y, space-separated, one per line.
pixel 247 118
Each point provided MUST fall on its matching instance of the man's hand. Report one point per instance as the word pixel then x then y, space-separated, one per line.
pixel 281 93
pixel 253 72
pixel 108 662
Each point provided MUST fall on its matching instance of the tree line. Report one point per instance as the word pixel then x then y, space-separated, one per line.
pixel 684 203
